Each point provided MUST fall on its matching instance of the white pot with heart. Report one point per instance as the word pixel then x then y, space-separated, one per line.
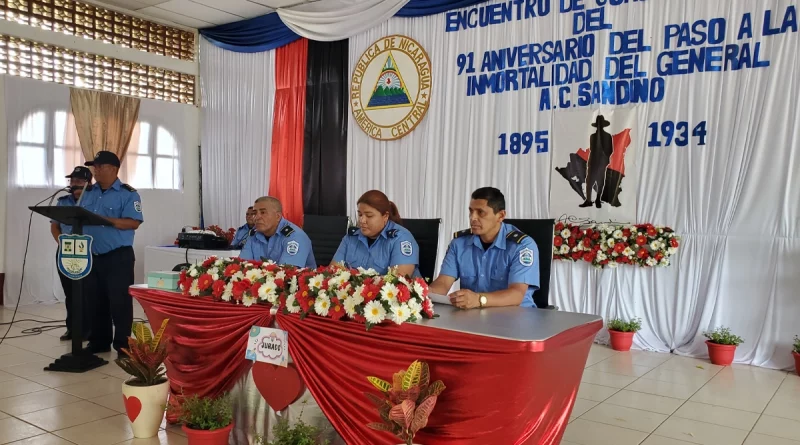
pixel 145 393
pixel 145 407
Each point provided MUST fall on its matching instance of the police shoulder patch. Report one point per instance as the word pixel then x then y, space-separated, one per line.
pixel 391 233
pixel 292 247
pixel 137 205
pixel 526 257
pixel 353 231
pixel 128 188
pixel 406 248
pixel 516 236
pixel 286 231
pixel 464 232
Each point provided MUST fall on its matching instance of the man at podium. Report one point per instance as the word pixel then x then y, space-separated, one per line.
pixel 112 252
pixel 80 177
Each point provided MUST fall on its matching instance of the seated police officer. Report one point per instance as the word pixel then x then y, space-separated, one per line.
pixel 244 232
pixel 112 253
pixel 496 263
pixel 276 238
pixel 80 177
pixel 380 241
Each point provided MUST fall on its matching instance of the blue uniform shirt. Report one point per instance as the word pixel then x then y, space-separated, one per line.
pixel 395 246
pixel 289 245
pixel 241 236
pixel 118 201
pixel 65 201
pixel 512 258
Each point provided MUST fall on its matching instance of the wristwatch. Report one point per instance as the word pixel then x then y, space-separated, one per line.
pixel 482 300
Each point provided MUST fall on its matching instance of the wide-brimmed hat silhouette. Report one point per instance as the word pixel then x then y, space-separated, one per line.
pixel 601 121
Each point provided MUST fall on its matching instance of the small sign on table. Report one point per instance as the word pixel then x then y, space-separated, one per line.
pixel 268 345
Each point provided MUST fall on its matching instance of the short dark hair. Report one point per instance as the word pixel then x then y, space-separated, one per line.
pixel 250 208
pixel 494 198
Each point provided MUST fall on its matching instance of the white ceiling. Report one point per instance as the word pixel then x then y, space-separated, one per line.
pixel 201 13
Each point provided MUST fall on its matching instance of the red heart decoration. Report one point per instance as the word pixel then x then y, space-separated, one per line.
pixel 133 406
pixel 279 386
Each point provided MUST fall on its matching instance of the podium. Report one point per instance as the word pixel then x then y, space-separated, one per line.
pixel 77 360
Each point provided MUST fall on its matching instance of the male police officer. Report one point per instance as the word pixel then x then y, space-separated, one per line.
pixel 80 177
pixel 246 231
pixel 112 250
pixel 277 239
pixel 497 264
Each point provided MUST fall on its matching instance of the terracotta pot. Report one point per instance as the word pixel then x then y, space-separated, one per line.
pixel 621 341
pixel 796 362
pixel 720 354
pixel 205 437
pixel 145 407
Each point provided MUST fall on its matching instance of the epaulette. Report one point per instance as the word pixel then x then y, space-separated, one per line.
pixel 464 232
pixel 516 236
pixel 63 197
pixel 353 231
pixel 391 233
pixel 286 231
pixel 128 188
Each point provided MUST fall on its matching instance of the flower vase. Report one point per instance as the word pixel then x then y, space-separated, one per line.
pixel 206 437
pixel 621 341
pixel 721 355
pixel 145 407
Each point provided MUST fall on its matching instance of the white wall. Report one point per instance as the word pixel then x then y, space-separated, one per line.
pixel 187 117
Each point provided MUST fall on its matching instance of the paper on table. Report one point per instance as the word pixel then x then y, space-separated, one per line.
pixel 438 298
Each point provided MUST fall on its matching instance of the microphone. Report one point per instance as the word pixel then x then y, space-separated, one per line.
pixel 51 197
pixel 83 193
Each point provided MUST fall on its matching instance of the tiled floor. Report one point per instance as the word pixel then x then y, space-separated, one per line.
pixel 624 399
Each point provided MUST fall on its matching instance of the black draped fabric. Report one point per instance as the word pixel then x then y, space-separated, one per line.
pixel 325 150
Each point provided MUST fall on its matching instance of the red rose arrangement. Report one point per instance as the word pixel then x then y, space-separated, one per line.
pixel 608 245
pixel 330 291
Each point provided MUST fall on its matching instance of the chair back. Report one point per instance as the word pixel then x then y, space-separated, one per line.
pixel 426 233
pixel 541 231
pixel 326 233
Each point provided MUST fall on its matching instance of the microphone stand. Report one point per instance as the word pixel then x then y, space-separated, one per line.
pixel 52 197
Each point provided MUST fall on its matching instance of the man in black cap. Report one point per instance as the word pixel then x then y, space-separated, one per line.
pixel 600 150
pixel 80 177
pixel 112 253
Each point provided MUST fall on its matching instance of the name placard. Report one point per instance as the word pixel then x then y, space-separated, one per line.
pixel 268 345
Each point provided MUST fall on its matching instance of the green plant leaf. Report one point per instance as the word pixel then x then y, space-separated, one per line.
pixel 411 378
pixel 142 332
pixel 157 339
pixel 382 385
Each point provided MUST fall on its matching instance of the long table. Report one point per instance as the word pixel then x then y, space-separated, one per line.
pixel 512 374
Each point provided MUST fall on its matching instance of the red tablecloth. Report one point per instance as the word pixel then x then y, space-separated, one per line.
pixel 498 391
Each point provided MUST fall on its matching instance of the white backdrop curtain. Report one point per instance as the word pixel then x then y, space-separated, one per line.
pixel 337 19
pixel 734 201
pixel 238 92
pixel 39 129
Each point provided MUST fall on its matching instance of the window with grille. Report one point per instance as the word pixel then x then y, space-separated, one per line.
pixel 101 24
pixel 25 58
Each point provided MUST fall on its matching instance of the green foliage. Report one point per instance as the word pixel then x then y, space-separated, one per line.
pixel 299 434
pixel 618 324
pixel 146 355
pixel 205 413
pixel 723 336
pixel 797 344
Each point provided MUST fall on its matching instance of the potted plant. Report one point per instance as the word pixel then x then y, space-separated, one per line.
pixel 206 420
pixel 796 354
pixel 145 393
pixel 299 434
pixel 722 345
pixel 405 404
pixel 622 333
